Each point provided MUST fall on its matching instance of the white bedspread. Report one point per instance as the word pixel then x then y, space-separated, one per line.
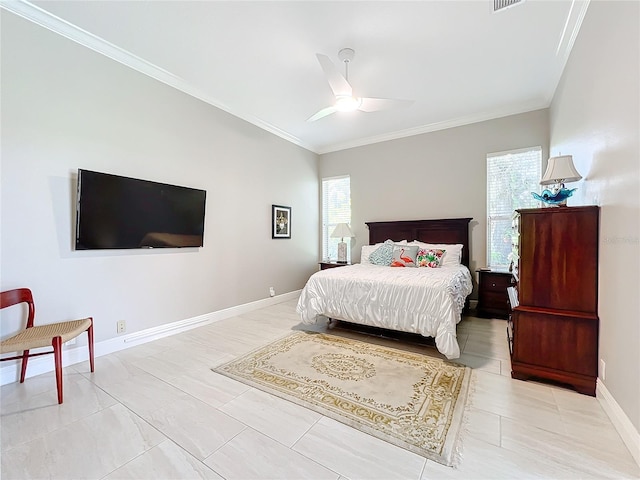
pixel 428 301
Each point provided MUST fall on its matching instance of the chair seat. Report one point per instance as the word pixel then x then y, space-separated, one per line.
pixel 53 335
pixel 41 335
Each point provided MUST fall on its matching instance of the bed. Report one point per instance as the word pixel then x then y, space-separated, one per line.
pixel 423 300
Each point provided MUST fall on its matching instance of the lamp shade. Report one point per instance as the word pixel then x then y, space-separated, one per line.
pixel 560 170
pixel 342 230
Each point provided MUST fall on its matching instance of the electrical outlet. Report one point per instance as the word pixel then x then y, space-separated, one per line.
pixel 603 367
pixel 272 291
pixel 121 326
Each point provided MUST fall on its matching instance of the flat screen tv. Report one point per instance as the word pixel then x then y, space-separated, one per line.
pixel 115 212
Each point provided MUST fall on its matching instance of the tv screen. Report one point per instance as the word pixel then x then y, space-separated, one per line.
pixel 118 212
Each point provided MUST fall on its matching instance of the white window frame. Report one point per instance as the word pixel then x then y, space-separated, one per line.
pixel 521 198
pixel 329 244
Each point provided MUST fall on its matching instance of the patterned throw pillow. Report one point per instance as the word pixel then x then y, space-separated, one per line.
pixel 404 256
pixel 383 254
pixel 453 255
pixel 430 257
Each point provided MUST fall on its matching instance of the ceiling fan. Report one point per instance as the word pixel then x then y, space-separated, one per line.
pixel 345 100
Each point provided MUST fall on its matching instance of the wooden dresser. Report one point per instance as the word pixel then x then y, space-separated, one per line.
pixel 554 329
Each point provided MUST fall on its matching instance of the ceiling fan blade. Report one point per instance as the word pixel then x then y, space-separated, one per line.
pixel 376 104
pixel 322 113
pixel 337 82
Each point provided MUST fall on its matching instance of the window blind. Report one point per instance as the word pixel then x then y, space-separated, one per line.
pixel 336 208
pixel 511 177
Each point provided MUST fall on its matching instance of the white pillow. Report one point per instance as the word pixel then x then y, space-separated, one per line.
pixel 369 249
pixel 366 251
pixel 453 252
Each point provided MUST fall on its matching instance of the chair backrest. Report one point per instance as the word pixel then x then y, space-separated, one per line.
pixel 19 295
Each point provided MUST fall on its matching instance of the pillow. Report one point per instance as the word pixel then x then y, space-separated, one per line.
pixel 383 254
pixel 429 257
pixel 404 256
pixel 453 255
pixel 366 251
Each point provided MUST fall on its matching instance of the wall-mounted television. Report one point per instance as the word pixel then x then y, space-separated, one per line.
pixel 115 212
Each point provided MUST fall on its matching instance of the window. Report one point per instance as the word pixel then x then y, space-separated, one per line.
pixel 511 177
pixel 336 208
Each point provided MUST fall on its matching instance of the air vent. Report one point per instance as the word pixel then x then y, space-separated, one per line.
pixel 502 4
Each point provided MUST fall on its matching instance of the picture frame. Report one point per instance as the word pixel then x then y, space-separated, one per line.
pixel 280 221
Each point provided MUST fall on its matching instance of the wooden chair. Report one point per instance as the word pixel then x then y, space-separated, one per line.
pixel 50 335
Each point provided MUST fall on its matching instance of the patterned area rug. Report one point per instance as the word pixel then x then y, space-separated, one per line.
pixel 410 400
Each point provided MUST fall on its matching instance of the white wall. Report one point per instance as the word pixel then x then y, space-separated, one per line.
pixel 441 174
pixel 66 107
pixel 595 117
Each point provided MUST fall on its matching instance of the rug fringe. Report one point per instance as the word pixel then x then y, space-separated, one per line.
pixel 456 458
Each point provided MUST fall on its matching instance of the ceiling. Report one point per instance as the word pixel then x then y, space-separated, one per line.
pixel 457 60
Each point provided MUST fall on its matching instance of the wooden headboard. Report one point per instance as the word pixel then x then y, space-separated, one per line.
pixel 447 230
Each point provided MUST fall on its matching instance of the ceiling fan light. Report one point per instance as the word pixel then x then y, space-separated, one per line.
pixel 347 104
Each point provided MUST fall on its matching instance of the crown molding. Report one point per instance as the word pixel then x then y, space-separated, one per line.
pixel 571 28
pixel 41 17
pixel 434 127
pixel 57 25
pixel 574 20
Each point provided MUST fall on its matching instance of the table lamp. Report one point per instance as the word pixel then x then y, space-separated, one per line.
pixel 560 170
pixel 341 231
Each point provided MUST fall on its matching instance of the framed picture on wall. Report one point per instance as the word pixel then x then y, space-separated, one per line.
pixel 280 221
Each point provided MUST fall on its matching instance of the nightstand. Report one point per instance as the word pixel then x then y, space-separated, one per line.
pixel 325 265
pixel 493 299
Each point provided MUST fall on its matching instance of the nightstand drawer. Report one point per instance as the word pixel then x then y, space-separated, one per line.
pixel 494 301
pixel 495 282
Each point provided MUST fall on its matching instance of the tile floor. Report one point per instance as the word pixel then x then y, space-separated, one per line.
pixel 157 411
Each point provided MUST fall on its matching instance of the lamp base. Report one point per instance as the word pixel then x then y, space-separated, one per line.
pixel 342 252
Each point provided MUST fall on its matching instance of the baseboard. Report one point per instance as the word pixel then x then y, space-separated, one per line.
pixel 10 373
pixel 630 436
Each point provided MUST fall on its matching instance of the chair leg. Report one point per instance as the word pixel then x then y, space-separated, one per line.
pixel 57 354
pixel 90 341
pixel 23 368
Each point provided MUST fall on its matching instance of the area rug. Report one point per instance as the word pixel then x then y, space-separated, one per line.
pixel 410 400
